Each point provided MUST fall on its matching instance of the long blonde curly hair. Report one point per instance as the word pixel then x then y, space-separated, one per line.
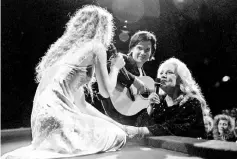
pixel 88 23
pixel 188 85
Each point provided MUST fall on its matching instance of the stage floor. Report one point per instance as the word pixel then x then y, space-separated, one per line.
pixel 132 150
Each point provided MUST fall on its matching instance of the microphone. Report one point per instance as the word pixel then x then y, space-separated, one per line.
pixel 113 51
pixel 157 85
pixel 124 72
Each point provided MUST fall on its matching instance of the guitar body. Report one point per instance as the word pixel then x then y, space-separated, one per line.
pixel 124 104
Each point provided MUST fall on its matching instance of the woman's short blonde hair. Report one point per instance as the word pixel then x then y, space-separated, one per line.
pixel 188 85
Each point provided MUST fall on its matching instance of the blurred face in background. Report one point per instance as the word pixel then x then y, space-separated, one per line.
pixel 222 126
pixel 207 125
pixel 233 114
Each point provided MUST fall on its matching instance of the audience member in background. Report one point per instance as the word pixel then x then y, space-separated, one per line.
pixel 226 112
pixel 179 111
pixel 234 116
pixel 223 128
pixel 208 123
pixel 233 113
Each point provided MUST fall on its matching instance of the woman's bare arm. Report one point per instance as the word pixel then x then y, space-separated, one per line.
pixel 106 82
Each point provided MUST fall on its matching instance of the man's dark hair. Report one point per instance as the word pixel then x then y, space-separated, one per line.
pixel 144 36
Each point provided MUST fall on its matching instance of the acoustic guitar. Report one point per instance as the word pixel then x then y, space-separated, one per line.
pixel 127 105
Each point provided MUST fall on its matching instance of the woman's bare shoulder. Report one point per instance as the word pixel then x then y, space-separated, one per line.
pixel 84 53
pixel 89 51
pixel 92 48
pixel 97 48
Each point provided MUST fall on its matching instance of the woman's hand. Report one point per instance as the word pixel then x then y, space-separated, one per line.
pixel 154 98
pixel 118 62
pixel 131 131
pixel 139 132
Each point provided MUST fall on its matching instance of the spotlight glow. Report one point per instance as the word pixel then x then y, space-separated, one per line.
pixel 130 11
pixel 225 78
pixel 123 36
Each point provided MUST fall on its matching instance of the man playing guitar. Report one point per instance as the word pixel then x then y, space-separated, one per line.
pixel 142 48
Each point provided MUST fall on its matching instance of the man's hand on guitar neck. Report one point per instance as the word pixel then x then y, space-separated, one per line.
pixel 154 98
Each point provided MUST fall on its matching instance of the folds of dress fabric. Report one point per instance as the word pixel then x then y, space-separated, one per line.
pixel 59 128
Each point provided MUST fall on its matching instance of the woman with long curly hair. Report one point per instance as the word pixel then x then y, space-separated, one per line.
pixel 63 124
pixel 223 128
pixel 179 107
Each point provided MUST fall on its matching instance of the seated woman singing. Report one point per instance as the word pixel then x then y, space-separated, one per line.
pixel 177 110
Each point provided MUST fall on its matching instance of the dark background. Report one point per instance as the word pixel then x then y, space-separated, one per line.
pixel 201 33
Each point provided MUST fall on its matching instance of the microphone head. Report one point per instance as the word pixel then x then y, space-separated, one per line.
pixel 157 81
pixel 157 85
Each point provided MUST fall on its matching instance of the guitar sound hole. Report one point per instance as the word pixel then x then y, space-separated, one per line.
pixel 145 94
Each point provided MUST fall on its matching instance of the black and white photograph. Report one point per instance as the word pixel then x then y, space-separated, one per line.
pixel 118 79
